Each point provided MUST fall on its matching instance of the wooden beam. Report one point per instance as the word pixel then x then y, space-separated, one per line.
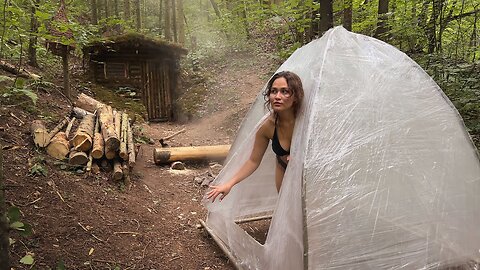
pixel 191 153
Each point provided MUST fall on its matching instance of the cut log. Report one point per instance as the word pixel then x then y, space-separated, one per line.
pixel 112 143
pixel 98 145
pixel 57 128
pixel 39 133
pixel 117 116
pixel 87 103
pixel 130 147
pixel 59 146
pixel 95 168
pixel 126 176
pixel 84 134
pixel 192 153
pixel 89 163
pixel 123 139
pixel 78 158
pixel 117 173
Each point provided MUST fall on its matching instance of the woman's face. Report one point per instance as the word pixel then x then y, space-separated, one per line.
pixel 281 97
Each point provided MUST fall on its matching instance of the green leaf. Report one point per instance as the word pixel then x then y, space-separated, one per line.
pixel 27 230
pixel 14 214
pixel 20 83
pixel 17 225
pixel 27 259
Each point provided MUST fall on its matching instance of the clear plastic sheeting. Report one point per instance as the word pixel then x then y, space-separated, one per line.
pixel 382 172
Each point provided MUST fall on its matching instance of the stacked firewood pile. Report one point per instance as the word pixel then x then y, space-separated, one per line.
pixel 102 138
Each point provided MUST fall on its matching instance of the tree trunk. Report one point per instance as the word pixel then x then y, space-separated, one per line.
pixel 181 22
pixel 215 8
pixel 382 29
pixel 93 4
pixel 66 76
pixel 32 45
pixel 326 15
pixel 4 22
pixel 115 6
pixel 160 17
pixel 347 15
pixel 174 21
pixel 4 243
pixel 138 16
pixel 168 27
pixel 107 11
pixel 126 9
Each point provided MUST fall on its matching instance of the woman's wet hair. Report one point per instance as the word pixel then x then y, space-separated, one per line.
pixel 294 85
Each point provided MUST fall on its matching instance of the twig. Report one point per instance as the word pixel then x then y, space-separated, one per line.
pixel 106 261
pixel 14 116
pixel 175 258
pixel 93 235
pixel 136 233
pixel 30 203
pixel 174 134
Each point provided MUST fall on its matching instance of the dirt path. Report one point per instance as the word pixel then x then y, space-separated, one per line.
pixel 177 197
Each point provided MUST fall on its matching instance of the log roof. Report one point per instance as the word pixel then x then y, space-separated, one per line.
pixel 133 42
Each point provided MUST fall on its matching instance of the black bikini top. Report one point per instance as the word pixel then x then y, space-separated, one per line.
pixel 276 146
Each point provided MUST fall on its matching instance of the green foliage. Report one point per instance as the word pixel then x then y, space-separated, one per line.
pixel 37 167
pixel 15 223
pixel 19 89
pixel 27 259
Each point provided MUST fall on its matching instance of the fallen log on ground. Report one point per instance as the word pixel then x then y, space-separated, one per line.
pixel 19 72
pixel 59 147
pixel 39 133
pixel 191 153
pixel 88 103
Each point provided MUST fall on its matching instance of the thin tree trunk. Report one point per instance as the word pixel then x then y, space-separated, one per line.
pixel 160 17
pixel 473 37
pixel 326 15
pixel 107 11
pixel 215 8
pixel 66 78
pixel 32 44
pixel 347 15
pixel 115 4
pixel 245 19
pixel 138 15
pixel 174 21
pixel 181 23
pixel 4 258
pixel 168 32
pixel 5 4
pixel 382 29
pixel 93 3
pixel 126 9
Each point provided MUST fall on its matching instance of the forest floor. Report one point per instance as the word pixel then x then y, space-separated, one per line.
pixel 86 221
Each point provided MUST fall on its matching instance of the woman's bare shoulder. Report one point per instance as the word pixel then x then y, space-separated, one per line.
pixel 267 127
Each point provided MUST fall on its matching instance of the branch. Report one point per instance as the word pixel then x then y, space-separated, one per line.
pixel 459 16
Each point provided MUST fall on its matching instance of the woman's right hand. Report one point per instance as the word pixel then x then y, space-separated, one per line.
pixel 221 190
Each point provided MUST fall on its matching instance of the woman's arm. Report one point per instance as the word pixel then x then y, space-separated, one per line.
pixel 259 148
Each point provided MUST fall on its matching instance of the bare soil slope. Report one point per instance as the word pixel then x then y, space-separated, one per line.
pixel 90 222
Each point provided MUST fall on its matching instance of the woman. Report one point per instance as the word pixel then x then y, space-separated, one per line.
pixel 284 95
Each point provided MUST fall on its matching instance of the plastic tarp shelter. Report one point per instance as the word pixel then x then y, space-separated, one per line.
pixel 382 172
